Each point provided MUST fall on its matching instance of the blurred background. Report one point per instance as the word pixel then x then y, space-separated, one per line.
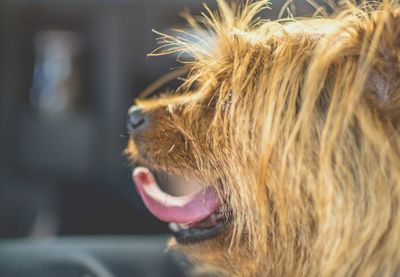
pixel 69 70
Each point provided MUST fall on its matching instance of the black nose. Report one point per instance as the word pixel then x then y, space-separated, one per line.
pixel 136 119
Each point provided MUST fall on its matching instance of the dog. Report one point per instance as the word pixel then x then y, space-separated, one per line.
pixel 289 131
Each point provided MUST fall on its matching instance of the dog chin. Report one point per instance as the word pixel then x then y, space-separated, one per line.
pixel 211 256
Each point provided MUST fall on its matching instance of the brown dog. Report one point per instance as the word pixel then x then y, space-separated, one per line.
pixel 293 131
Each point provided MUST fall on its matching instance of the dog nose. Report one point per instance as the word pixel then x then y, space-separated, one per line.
pixel 136 119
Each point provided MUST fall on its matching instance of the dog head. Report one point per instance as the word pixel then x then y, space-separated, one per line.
pixel 290 129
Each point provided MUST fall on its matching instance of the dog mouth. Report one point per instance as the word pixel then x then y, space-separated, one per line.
pixel 192 218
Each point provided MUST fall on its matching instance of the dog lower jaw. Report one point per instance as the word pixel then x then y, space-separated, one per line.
pixel 206 229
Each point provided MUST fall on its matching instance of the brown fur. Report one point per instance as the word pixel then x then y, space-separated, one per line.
pixel 299 122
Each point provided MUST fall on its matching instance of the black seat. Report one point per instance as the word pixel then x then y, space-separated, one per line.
pixel 89 257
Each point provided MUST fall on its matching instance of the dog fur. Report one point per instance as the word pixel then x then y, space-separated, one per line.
pixel 295 123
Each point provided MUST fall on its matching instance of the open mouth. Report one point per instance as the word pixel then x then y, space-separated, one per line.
pixel 193 218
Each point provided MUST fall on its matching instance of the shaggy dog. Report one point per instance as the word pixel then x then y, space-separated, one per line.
pixel 292 130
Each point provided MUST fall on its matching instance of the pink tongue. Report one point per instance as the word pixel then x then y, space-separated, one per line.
pixel 184 209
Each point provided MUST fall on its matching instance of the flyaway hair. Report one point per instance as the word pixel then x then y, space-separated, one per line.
pixel 299 119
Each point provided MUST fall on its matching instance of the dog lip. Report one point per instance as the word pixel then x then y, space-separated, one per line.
pixel 186 209
pixel 195 235
pixel 206 229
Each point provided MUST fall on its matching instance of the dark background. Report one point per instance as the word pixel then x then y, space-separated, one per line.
pixel 69 70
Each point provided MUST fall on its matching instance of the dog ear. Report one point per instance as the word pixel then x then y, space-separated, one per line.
pixel 383 84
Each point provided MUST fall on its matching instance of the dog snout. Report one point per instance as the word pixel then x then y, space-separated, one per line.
pixel 137 119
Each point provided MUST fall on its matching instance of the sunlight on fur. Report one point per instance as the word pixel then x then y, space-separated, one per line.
pixel 299 120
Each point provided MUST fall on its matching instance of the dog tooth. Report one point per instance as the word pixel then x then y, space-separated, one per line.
pixel 214 218
pixel 184 226
pixel 174 227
